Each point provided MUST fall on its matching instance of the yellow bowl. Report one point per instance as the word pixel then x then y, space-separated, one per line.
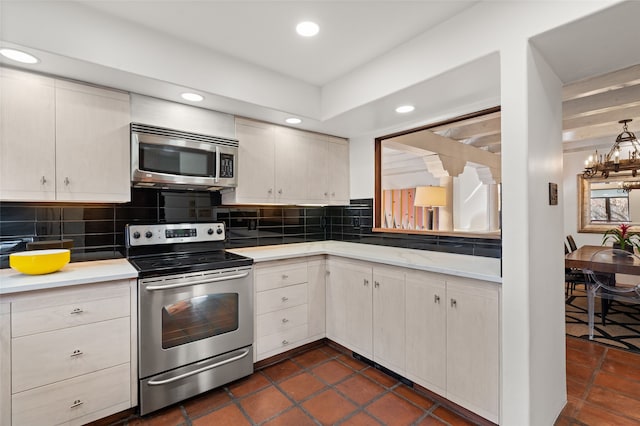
pixel 38 262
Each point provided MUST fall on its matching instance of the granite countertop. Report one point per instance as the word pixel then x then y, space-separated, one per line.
pixel 71 274
pixel 476 267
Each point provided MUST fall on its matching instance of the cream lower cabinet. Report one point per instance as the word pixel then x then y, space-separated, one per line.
pixel 452 339
pixel 350 305
pixel 72 354
pixel 289 305
pixel 441 332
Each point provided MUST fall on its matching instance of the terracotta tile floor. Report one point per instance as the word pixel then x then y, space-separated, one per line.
pixel 603 385
pixel 319 387
pixel 323 386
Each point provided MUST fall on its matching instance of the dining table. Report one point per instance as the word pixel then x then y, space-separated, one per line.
pixel 609 264
pixel 581 259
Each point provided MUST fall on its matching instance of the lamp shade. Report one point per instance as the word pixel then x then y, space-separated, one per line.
pixel 430 196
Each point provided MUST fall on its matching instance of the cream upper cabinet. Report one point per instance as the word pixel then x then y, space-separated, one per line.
pixel 338 171
pixel 256 164
pixel 291 150
pixel 62 141
pixel 389 318
pixel 92 144
pixel 281 165
pixel 426 330
pixel 27 136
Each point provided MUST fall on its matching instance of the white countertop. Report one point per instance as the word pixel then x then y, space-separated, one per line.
pixel 477 267
pixel 71 274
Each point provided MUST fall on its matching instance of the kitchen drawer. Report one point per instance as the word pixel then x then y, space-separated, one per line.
pixel 44 358
pixel 75 401
pixel 278 321
pixel 282 340
pixel 279 298
pixel 280 276
pixel 67 308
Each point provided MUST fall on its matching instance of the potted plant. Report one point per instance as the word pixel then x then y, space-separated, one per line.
pixel 622 237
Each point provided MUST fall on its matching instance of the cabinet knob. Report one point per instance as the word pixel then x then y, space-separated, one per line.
pixel 285 276
pixel 284 298
pixel 454 304
pixel 76 311
pixel 376 284
pixel 326 194
pixel 66 181
pixel 76 403
pixel 270 191
pixel 333 194
pixel 279 191
pixel 366 282
pixel 285 342
pixel 76 352
pixel 43 180
pixel 436 299
pixel 284 320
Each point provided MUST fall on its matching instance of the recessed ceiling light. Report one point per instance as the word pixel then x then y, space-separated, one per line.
pixel 293 120
pixel 405 109
pixel 193 97
pixel 18 55
pixel 307 29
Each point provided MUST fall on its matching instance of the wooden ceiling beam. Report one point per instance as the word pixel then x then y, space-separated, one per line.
pixel 601 102
pixel 608 117
pixel 614 80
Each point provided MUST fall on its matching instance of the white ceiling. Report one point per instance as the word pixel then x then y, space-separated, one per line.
pixel 245 57
pixel 352 33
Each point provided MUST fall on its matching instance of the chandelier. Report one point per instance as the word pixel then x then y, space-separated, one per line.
pixel 597 164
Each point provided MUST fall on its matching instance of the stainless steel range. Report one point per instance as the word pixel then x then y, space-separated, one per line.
pixel 195 311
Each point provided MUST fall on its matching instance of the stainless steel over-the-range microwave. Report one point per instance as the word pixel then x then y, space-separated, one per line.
pixel 166 158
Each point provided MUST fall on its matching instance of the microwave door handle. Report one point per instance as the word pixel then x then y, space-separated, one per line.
pixel 187 284
pixel 217 178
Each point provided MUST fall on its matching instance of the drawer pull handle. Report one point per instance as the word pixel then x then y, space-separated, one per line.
pixel 285 342
pixel 285 276
pixel 76 403
pixel 66 181
pixel 76 352
pixel 43 180
pixel 284 320
pixel 436 299
pixel 76 311
pixel 284 298
pixel 454 304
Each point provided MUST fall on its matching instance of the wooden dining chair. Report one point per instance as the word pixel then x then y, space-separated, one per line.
pixel 572 243
pixel 572 277
pixel 605 286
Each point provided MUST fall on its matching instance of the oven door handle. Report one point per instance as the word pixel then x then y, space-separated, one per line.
pixel 210 280
pixel 199 370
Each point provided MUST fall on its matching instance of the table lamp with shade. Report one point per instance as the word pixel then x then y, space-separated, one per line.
pixel 431 196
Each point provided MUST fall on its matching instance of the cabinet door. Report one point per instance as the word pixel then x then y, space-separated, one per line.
pixel 27 137
pixel 92 144
pixel 350 305
pixel 389 318
pixel 5 364
pixel 426 325
pixel 338 171
pixel 256 167
pixel 291 150
pixel 317 274
pixel 318 169
pixel 473 346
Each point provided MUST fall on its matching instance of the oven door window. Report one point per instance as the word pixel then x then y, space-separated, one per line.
pixel 199 318
pixel 177 160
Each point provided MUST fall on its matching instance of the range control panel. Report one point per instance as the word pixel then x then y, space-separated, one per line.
pixel 146 235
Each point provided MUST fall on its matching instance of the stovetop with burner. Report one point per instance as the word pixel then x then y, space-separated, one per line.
pixel 165 249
